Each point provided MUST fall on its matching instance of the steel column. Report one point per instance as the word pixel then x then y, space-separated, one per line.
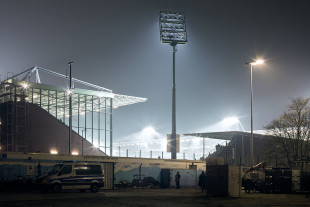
pixel 111 110
pixel 70 108
pixel 173 134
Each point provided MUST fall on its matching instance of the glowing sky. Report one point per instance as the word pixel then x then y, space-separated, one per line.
pixel 115 44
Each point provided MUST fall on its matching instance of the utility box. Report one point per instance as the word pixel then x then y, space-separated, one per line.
pixel 223 180
pixel 169 142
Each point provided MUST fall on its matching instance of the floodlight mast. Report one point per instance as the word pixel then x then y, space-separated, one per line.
pixel 173 32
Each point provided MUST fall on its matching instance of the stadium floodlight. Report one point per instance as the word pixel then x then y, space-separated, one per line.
pixel 232 120
pixel 173 31
pixel 149 130
pixel 172 28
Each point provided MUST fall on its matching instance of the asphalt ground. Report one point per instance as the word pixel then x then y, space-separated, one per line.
pixel 145 197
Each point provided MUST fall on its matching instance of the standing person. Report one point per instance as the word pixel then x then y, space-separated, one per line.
pixel 202 180
pixel 177 180
pixel 39 169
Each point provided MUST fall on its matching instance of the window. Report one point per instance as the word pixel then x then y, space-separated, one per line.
pixel 88 169
pixel 54 169
pixel 81 170
pixel 67 169
pixel 95 169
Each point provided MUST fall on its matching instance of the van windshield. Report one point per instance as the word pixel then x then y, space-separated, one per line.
pixel 54 169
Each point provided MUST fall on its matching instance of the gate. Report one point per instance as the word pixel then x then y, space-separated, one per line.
pixel 165 178
pixel 108 168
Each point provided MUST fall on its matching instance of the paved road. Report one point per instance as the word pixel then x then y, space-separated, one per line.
pixel 146 197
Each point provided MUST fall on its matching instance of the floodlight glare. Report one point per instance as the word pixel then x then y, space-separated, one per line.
pixel 25 85
pixel 257 62
pixel 69 92
pixel 148 130
pixel 95 145
pixel 228 121
pixel 232 120
pixel 75 153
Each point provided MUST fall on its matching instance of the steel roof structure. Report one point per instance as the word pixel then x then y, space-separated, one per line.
pixel 99 91
pixel 91 109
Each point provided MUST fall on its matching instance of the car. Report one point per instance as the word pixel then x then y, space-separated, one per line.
pixel 74 175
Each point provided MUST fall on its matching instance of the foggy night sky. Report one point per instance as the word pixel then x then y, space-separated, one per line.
pixel 116 44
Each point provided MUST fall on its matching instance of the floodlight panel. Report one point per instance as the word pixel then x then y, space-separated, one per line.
pixel 172 27
pixel 169 37
pixel 171 13
pixel 168 26
pixel 171 17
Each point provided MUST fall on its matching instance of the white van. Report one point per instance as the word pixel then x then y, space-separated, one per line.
pixel 81 176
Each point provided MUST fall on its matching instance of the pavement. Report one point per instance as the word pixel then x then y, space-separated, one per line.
pixel 146 197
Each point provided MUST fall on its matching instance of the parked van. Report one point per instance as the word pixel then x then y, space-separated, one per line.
pixel 73 175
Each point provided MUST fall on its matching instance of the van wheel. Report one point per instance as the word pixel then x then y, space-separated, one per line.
pixel 56 188
pixel 94 188
pixel 82 190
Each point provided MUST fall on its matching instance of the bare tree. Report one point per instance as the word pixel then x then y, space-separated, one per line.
pixel 292 130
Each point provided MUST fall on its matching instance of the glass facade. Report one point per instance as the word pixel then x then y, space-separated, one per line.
pixel 91 110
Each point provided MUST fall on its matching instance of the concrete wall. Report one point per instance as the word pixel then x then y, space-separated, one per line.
pixel 15 165
pixel 189 178
pixel 127 168
pixel 53 134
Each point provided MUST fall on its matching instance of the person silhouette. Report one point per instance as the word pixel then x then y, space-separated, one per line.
pixel 177 180
pixel 202 181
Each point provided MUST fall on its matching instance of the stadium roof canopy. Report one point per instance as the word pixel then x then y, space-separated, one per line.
pixel 228 135
pixel 32 78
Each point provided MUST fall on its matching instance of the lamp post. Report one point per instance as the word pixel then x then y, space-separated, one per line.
pixel 251 64
pixel 70 107
pixel 173 32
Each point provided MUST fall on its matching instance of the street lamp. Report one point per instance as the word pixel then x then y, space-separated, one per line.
pixel 173 32
pixel 251 64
